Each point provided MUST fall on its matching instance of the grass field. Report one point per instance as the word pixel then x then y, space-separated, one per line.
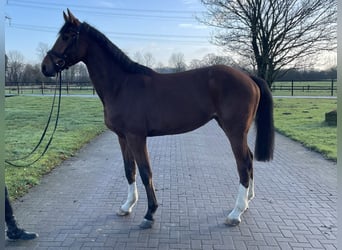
pixel 81 119
pixel 303 121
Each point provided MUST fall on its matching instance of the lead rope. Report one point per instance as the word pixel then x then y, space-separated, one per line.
pixel 11 162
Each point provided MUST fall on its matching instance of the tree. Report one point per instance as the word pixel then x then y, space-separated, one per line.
pixel 42 50
pixel 177 62
pixel 15 67
pixel 146 59
pixel 83 76
pixel 273 33
pixel 149 60
pixel 195 64
pixel 77 73
pixel 138 57
pixel 32 74
pixel 212 59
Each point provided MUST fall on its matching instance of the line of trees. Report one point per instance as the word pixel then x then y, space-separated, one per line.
pixel 19 73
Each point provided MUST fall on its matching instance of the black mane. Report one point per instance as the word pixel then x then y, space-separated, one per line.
pixel 118 55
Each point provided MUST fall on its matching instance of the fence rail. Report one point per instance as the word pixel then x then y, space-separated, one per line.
pixel 27 88
pixel 306 88
pixel 291 88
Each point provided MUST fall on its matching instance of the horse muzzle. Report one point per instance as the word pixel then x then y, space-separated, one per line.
pixel 48 67
pixel 53 63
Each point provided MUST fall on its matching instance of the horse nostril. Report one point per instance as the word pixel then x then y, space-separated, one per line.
pixel 46 71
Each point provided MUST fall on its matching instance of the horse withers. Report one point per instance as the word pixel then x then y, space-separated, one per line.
pixel 139 102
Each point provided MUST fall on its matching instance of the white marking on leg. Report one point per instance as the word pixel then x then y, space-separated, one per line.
pixel 234 218
pixel 132 199
pixel 251 193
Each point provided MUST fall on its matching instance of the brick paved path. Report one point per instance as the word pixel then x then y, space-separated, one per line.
pixel 196 182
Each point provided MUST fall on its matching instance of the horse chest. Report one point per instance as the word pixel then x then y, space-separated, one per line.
pixel 113 120
pixel 122 122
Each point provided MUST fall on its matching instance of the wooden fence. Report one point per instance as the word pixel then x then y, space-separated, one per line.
pixel 280 88
pixel 45 89
pixel 305 88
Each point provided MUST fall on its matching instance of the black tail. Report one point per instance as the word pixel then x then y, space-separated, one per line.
pixel 264 142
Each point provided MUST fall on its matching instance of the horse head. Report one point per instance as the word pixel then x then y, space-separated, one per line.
pixel 67 49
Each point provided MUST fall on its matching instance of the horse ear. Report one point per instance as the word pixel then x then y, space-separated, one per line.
pixel 72 18
pixel 65 17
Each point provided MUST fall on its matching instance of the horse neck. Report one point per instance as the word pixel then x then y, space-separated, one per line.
pixel 104 72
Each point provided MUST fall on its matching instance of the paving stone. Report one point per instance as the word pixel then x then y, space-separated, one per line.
pixel 196 184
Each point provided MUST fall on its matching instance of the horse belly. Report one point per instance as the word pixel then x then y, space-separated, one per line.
pixel 177 121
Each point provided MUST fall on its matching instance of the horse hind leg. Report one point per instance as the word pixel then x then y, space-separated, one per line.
pixel 130 172
pixel 244 160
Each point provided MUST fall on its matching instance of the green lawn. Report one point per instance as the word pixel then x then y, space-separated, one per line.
pixel 303 121
pixel 81 119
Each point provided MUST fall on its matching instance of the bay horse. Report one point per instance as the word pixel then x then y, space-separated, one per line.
pixel 139 102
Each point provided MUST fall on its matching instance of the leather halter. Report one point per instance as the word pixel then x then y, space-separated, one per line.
pixel 63 62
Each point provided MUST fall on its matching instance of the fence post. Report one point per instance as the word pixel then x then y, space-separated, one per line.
pixel 292 88
pixel 332 87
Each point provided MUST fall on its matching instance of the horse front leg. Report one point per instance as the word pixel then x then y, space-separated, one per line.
pixel 130 172
pixel 251 193
pixel 138 146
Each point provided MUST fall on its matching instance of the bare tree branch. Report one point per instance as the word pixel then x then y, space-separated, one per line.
pixel 278 33
pixel 177 62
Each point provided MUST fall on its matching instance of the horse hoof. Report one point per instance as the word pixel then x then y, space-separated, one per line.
pixel 146 224
pixel 232 222
pixel 122 212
